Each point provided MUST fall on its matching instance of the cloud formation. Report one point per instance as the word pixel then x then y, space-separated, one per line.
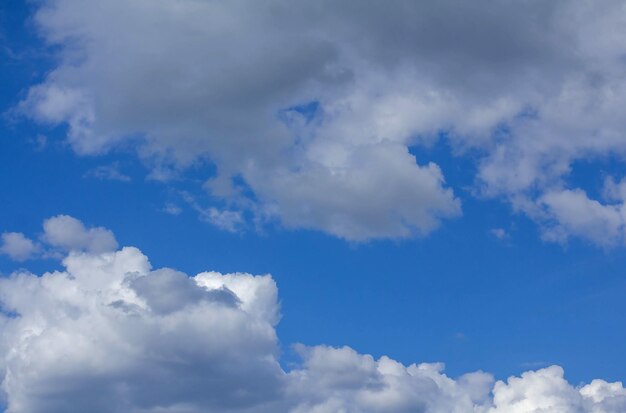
pixel 69 234
pixel 308 109
pixel 17 246
pixel 109 334
pixel 61 234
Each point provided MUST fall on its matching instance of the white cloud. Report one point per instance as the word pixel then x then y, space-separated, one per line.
pixel 69 234
pixel 17 246
pixel 533 86
pixel 377 191
pixel 546 390
pixel 230 221
pixel 575 214
pixel 110 334
pixel 341 380
pixel 222 110
pixel 61 234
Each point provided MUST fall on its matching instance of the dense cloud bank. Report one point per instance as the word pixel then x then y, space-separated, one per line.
pixel 308 108
pixel 110 334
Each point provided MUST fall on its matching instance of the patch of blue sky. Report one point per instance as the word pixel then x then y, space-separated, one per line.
pixel 591 173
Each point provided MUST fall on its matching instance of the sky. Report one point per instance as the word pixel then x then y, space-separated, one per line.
pixel 312 207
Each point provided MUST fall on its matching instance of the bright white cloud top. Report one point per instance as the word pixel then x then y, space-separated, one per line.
pixel 111 334
pixel 531 87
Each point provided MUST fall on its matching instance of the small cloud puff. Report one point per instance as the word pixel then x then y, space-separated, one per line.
pixel 69 234
pixel 61 234
pixel 499 233
pixel 17 246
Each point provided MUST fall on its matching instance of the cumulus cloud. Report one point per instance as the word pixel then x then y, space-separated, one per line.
pixel 17 246
pixel 546 390
pixel 233 94
pixel 109 333
pixel 61 234
pixel 314 105
pixel 69 234
pixel 341 380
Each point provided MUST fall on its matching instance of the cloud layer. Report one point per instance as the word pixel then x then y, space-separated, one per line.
pixel 308 109
pixel 111 334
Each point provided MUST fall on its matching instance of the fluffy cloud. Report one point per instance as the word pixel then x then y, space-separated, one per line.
pixel 341 380
pixel 61 234
pixel 313 105
pixel 69 234
pixel 17 246
pixel 109 334
pixel 546 390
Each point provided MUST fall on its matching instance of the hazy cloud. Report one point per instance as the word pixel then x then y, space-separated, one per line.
pixel 172 209
pixel 499 233
pixel 110 172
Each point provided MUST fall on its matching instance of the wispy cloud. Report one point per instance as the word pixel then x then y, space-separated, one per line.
pixel 109 172
pixel 499 233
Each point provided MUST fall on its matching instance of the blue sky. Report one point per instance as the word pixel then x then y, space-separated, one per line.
pixel 484 269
